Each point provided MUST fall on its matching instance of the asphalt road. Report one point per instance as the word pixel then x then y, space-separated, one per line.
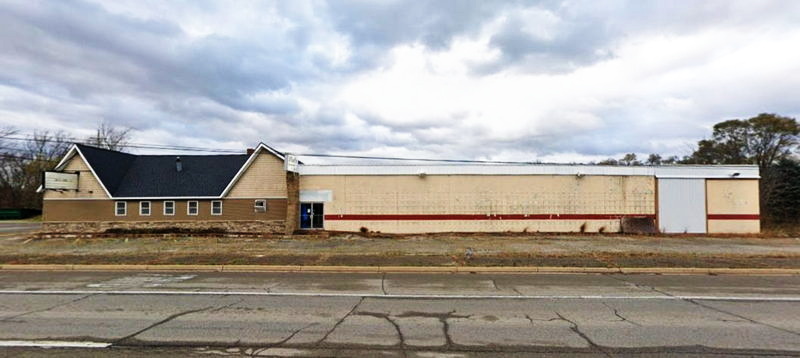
pixel 412 315
pixel 17 227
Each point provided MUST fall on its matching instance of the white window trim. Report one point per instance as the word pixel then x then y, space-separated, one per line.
pixel 220 207
pixel 149 208
pixel 189 208
pixel 256 206
pixel 124 208
pixel 164 210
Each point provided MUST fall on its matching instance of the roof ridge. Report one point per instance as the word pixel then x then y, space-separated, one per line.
pixel 103 149
pixel 192 155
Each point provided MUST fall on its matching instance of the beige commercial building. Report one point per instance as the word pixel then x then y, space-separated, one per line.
pixel 259 191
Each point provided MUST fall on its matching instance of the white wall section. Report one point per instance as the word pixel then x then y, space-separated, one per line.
pixel 682 205
pixel 665 171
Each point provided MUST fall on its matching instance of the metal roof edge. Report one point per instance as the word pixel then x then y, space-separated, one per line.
pixel 671 171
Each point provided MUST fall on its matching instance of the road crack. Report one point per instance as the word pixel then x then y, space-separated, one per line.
pixel 442 317
pixel 389 319
pixel 621 318
pixel 742 317
pixel 383 287
pixel 228 305
pixel 531 319
pixel 512 288
pixel 695 302
pixel 165 320
pixel 283 341
pixel 637 285
pixel 574 327
pixel 11 318
pixel 340 321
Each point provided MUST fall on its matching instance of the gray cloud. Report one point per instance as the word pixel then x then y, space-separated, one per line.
pixel 275 76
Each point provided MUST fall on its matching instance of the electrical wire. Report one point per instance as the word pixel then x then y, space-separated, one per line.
pixel 31 138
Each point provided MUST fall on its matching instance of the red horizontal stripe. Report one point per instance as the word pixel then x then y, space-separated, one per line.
pixel 373 217
pixel 734 217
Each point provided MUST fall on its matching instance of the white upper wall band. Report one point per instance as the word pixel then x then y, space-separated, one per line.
pixel 666 171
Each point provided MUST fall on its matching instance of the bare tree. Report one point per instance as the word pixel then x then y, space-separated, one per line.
pixel 21 165
pixel 110 137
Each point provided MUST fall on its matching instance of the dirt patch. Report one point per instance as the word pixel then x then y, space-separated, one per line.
pixel 415 250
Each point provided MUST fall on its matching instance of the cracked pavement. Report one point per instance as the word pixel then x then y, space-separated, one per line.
pixel 362 314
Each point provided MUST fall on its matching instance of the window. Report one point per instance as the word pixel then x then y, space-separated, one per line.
pixel 260 206
pixel 192 208
pixel 121 208
pixel 144 208
pixel 216 207
pixel 169 208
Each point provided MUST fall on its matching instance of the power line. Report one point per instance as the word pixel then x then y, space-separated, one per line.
pixel 11 156
pixel 129 145
pixel 212 150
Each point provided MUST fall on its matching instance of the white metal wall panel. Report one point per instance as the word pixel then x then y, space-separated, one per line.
pixel 682 205
pixel 666 171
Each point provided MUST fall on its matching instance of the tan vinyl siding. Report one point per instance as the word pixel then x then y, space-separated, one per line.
pixel 264 178
pixel 103 210
pixel 88 185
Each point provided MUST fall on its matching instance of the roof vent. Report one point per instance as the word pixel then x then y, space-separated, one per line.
pixel 178 165
pixel 250 151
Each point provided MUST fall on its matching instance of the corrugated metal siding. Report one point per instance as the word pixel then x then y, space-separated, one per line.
pixel 682 205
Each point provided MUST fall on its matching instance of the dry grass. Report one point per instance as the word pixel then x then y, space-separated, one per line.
pixel 584 250
pixel 781 230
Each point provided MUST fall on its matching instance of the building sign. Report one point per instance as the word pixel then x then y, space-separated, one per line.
pixel 291 163
pixel 60 181
pixel 316 196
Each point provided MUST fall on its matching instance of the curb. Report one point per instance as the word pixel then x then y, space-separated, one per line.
pixel 407 269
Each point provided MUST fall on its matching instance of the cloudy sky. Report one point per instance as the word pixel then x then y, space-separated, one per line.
pixel 519 80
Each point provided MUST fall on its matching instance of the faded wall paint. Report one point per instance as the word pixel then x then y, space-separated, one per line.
pixel 735 205
pixel 482 194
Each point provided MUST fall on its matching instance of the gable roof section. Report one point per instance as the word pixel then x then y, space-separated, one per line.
pixel 109 166
pixel 129 176
pixel 261 146
pixel 201 176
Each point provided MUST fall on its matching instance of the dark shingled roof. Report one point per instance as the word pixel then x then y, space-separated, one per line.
pixel 129 175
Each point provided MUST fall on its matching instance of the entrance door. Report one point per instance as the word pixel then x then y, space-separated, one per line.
pixel 682 205
pixel 311 215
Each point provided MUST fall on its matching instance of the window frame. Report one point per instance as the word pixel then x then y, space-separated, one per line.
pixel 256 207
pixel 149 208
pixel 124 208
pixel 189 208
pixel 220 207
pixel 164 209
